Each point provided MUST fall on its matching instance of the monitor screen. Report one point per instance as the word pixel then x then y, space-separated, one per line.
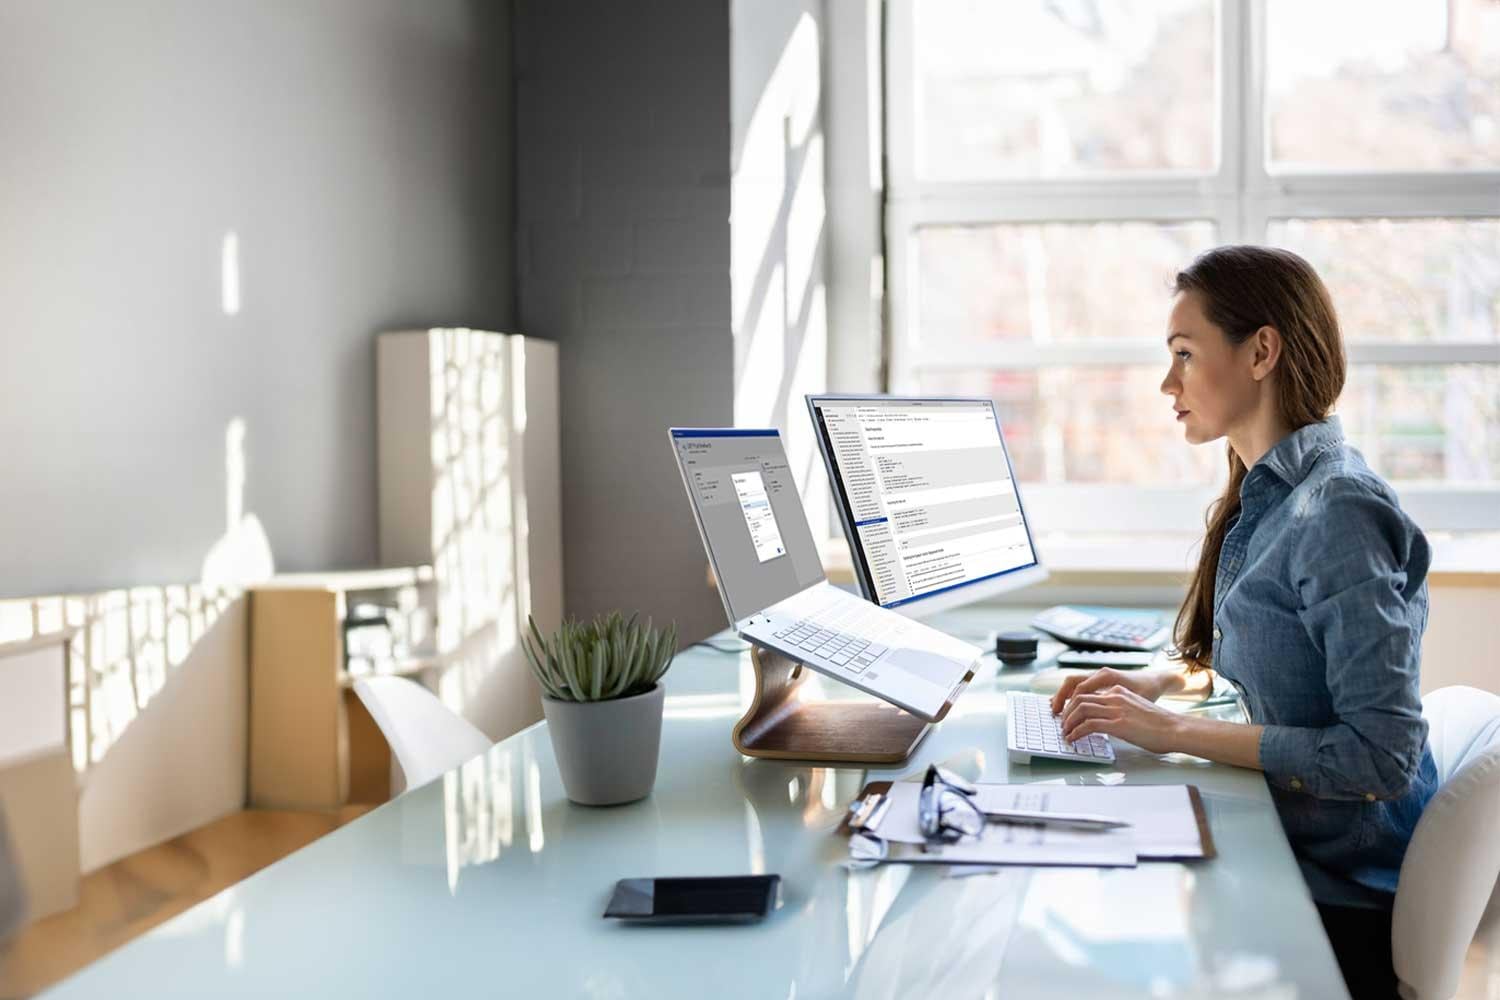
pixel 750 515
pixel 927 498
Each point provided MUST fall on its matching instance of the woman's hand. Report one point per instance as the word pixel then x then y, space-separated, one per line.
pixel 1118 711
pixel 1149 684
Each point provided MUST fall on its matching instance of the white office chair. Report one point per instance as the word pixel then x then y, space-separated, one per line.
pixel 1448 895
pixel 425 736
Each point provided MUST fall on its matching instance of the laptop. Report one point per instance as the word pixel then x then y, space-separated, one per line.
pixel 771 579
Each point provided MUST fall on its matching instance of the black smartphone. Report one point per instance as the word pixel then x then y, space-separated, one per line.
pixel 718 899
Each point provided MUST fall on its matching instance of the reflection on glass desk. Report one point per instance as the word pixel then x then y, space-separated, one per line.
pixel 489 882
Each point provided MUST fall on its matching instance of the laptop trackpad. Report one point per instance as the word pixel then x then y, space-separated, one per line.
pixel 928 666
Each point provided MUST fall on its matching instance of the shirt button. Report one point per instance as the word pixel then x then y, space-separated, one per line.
pixel 1218 635
pixel 1296 784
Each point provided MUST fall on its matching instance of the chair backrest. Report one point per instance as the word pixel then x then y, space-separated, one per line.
pixel 1450 878
pixel 1462 721
pixel 426 737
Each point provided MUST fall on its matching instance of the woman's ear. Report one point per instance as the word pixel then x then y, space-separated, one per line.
pixel 1265 347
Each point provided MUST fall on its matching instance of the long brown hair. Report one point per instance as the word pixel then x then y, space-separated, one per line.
pixel 1241 289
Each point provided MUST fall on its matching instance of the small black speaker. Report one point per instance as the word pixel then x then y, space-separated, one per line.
pixel 1015 649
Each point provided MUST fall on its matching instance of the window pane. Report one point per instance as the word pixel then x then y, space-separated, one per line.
pixel 1416 279
pixel 1383 84
pixel 1087 424
pixel 1042 89
pixel 1051 283
pixel 1425 422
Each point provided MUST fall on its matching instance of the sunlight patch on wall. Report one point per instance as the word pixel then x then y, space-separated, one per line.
pixel 778 217
pixel 127 645
pixel 229 274
pixel 477 516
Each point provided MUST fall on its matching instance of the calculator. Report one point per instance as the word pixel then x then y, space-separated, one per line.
pixel 1083 630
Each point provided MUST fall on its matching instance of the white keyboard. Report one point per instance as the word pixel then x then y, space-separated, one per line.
pixel 1033 731
pixel 849 638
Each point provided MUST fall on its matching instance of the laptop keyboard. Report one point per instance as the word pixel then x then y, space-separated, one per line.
pixel 1033 731
pixel 848 637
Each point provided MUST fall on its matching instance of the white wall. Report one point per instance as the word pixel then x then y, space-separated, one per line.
pixel 853 68
pixel 778 257
pixel 359 150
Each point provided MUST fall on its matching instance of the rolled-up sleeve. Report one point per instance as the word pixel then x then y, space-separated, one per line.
pixel 1361 571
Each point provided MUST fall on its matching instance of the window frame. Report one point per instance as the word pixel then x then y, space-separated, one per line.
pixel 1241 197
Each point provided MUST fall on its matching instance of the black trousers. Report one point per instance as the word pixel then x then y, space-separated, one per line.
pixel 1361 940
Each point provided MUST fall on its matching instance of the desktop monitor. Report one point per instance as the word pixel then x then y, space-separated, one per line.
pixel 928 499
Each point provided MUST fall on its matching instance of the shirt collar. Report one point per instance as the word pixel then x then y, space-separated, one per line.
pixel 1293 456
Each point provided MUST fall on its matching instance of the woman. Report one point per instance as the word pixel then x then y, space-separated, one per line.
pixel 1310 596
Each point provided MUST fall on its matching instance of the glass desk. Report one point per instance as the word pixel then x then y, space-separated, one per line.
pixel 488 881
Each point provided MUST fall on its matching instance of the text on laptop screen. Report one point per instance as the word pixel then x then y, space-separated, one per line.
pixel 752 518
pixel 927 490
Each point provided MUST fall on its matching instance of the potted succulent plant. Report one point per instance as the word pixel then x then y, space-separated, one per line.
pixel 602 696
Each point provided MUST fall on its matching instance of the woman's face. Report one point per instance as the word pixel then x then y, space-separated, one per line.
pixel 1209 381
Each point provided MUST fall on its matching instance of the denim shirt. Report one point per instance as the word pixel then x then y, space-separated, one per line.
pixel 1319 607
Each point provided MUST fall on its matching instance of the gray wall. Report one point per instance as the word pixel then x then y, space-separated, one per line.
pixel 623 144
pixel 360 149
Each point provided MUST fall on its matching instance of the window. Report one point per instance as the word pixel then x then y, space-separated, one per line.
pixel 1053 163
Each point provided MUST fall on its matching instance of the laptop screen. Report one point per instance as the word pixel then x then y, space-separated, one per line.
pixel 751 517
pixel 926 495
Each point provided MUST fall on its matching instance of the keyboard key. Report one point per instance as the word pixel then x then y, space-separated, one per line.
pixel 1034 730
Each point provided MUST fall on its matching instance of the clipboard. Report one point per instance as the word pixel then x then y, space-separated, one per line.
pixel 1205 835
pixel 1101 795
pixel 871 788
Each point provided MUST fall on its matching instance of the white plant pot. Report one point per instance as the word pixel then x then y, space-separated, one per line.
pixel 607 750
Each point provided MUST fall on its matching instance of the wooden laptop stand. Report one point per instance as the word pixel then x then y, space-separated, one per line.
pixel 783 724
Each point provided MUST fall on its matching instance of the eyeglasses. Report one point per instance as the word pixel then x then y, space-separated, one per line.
pixel 946 813
pixel 946 810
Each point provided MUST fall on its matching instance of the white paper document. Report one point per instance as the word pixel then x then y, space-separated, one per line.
pixel 1162 818
pixel 1004 843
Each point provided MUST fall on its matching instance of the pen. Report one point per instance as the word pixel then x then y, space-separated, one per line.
pixel 1080 821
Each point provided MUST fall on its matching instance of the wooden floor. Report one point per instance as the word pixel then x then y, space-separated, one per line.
pixel 124 900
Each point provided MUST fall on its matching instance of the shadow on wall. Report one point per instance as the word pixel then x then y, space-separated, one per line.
pixel 130 641
pixel 777 271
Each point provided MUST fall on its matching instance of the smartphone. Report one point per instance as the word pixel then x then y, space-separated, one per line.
pixel 719 899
